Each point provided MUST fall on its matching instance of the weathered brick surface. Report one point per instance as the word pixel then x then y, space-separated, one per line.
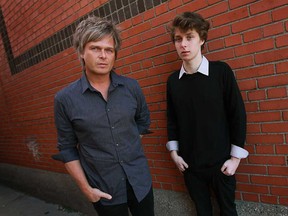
pixel 37 60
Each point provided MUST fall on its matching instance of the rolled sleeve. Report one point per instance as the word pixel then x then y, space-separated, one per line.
pixel 67 155
pixel 238 152
pixel 172 145
pixel 67 141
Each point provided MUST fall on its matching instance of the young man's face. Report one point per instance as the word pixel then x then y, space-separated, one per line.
pixel 188 44
pixel 99 56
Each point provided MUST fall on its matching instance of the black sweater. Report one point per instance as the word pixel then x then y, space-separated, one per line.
pixel 206 114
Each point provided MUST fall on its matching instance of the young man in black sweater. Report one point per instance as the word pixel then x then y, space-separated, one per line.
pixel 206 119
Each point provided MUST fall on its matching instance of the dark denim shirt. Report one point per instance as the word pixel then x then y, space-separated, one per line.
pixel 105 135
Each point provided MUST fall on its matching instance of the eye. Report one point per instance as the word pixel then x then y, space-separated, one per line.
pixel 177 39
pixel 109 51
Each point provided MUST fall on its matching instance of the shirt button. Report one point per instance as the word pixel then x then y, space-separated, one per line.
pixel 108 110
pixel 112 127
pixel 117 144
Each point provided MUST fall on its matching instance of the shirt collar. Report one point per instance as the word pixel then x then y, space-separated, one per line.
pixel 203 68
pixel 115 81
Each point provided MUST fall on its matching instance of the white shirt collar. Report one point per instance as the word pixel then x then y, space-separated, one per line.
pixel 203 68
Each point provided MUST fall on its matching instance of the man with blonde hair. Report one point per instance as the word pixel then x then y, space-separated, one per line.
pixel 100 120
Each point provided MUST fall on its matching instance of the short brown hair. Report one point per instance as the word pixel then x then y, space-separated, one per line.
pixel 188 21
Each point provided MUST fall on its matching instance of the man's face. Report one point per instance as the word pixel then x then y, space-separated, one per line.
pixel 188 44
pixel 99 56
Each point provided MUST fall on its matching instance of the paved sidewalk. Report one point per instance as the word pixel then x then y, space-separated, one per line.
pixel 15 203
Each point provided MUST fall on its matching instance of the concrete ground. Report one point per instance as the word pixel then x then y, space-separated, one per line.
pixel 15 203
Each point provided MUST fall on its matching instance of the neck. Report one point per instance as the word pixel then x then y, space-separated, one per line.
pixel 193 65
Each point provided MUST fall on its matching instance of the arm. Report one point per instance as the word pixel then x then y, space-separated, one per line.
pixel 67 144
pixel 142 116
pixel 173 144
pixel 237 121
pixel 74 168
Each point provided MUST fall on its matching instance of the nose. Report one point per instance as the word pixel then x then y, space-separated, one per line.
pixel 102 53
pixel 184 42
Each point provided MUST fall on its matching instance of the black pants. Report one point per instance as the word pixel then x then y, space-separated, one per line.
pixel 143 208
pixel 199 184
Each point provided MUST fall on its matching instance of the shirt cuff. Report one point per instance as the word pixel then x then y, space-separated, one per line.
pixel 172 145
pixel 238 152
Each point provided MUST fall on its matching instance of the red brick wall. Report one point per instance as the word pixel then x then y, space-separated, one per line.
pixel 249 35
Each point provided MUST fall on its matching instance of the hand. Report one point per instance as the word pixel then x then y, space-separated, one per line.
pixel 94 195
pixel 180 163
pixel 230 166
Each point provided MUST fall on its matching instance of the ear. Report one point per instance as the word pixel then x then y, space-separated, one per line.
pixel 202 42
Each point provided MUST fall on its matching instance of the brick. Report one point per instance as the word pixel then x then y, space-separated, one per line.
pixel 270 56
pixel 264 139
pixel 255 47
pixel 269 180
pixel 274 105
pixel 257 95
pixel 280 13
pixel 283 201
pixel 174 4
pixel 282 67
pixel 255 169
pixel 251 107
pixel 247 85
pixel 285 115
pixel 265 149
pixel 241 62
pixel 215 45
pixel 274 29
pixel 263 117
pixel 253 128
pixel 236 3
pixel 263 5
pixel 161 9
pixel 269 160
pixel 278 80
pixel 282 149
pixel 253 35
pixel 152 33
pixel 255 21
pixel 259 71
pixel 275 127
pixel 219 32
pixel 251 197
pixel 282 41
pixel 252 188
pixel 230 17
pixel 278 170
pixel 233 40
pixel 220 8
pixel 279 191
pixel 268 199
pixel 277 93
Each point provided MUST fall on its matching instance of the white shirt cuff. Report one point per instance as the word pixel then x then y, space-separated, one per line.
pixel 238 152
pixel 172 145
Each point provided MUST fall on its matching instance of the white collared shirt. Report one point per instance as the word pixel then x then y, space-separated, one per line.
pixel 203 68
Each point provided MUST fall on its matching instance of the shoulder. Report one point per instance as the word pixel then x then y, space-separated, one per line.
pixel 220 68
pixel 173 76
pixel 69 90
pixel 214 65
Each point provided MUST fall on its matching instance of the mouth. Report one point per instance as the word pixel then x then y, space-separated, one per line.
pixel 102 64
pixel 185 52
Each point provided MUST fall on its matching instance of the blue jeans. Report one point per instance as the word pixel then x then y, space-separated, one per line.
pixel 143 208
